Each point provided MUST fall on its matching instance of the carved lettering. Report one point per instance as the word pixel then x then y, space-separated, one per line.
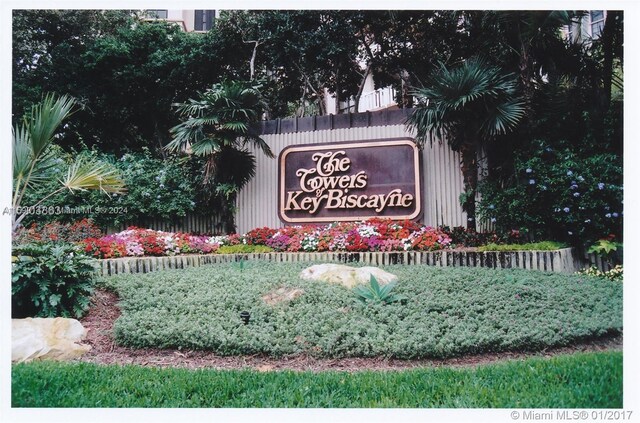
pixel 291 200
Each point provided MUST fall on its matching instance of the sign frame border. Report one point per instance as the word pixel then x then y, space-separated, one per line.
pixel 417 162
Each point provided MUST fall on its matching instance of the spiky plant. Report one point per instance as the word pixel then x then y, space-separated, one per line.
pixel 33 159
pixel 375 293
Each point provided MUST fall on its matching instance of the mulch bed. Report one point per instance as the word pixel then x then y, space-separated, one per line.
pixel 104 311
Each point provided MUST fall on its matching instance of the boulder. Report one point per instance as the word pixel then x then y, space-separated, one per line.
pixel 346 275
pixel 47 338
pixel 283 294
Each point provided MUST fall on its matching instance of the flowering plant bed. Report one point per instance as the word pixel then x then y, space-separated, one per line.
pixel 371 235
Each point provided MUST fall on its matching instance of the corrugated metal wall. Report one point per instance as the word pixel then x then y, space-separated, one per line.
pixel 257 204
pixel 193 224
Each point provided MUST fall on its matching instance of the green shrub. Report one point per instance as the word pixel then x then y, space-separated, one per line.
pixel 156 189
pixel 50 281
pixel 533 246
pixel 558 193
pixel 452 311
pixel 244 249
pixel 608 249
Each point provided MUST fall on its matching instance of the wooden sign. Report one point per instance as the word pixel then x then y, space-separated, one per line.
pixel 350 181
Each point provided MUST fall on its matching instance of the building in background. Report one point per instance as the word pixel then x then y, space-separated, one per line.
pixel 372 99
pixel 586 28
pixel 188 20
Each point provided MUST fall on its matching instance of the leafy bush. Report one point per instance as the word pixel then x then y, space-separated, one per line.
pixel 452 311
pixel 558 194
pixel 50 280
pixel 532 246
pixel 156 189
pixel 608 249
pixel 243 249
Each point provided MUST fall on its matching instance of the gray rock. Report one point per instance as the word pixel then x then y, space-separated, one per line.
pixel 346 275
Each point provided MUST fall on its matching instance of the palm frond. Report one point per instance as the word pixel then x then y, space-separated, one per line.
pixel 235 167
pixel 503 118
pixel 22 153
pixel 472 98
pixel 260 143
pixel 237 126
pixel 45 119
pixel 84 175
pixel 207 146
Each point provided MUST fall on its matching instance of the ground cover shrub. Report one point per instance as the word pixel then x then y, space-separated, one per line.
pixel 583 380
pixel 530 246
pixel 448 312
pixel 50 280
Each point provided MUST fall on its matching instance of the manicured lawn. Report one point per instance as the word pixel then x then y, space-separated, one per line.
pixel 449 312
pixel 592 380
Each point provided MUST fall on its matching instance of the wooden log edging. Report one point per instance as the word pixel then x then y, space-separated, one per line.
pixel 565 260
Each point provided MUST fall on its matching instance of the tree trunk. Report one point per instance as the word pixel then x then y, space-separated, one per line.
pixel 337 91
pixel 361 87
pixel 228 215
pixel 608 49
pixel 405 85
pixel 252 61
pixel 162 140
pixel 323 109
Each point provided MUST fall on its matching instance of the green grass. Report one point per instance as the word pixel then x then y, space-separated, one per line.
pixel 449 312
pixel 592 380
pixel 533 246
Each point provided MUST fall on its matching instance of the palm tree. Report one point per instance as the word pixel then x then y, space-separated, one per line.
pixel 469 105
pixel 34 160
pixel 217 127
